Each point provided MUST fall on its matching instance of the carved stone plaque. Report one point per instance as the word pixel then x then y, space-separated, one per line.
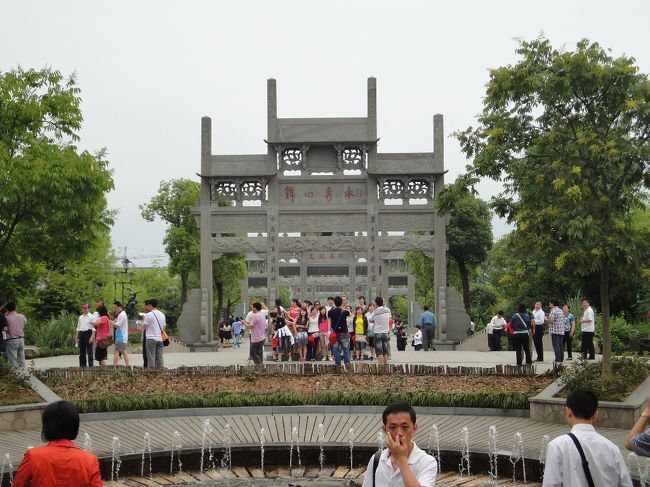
pixel 332 194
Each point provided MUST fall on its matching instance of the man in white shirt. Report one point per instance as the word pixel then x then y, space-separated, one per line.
pixel 121 327
pixel 539 317
pixel 85 336
pixel 497 322
pixel 564 465
pixel 381 319
pixel 402 463
pixel 154 323
pixel 587 329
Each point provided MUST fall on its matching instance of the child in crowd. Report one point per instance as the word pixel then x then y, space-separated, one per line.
pixel 417 338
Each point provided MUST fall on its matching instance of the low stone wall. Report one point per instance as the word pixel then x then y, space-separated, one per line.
pixel 27 416
pixel 549 409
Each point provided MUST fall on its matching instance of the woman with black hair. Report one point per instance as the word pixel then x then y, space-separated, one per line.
pixel 102 333
pixel 59 463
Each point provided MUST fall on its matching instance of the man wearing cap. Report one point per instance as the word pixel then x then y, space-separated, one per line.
pixel 85 336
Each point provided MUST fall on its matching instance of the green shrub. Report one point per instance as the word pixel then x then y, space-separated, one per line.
pixel 500 400
pixel 56 333
pixel 628 371
pixel 10 378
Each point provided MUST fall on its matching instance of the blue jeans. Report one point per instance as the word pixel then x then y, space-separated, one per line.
pixel 15 350
pixel 342 340
pixel 237 340
pixel 558 346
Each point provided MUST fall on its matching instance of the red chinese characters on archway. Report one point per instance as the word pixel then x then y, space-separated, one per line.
pixel 292 194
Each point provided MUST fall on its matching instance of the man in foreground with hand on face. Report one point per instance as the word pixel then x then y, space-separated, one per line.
pixel 402 463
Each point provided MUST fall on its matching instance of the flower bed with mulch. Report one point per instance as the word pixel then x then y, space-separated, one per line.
pixel 133 389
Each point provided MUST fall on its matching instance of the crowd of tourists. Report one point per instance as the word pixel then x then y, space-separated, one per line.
pixel 558 320
pixel 338 331
pixel 98 330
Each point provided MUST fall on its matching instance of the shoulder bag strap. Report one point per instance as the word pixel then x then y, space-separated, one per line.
pixel 375 464
pixel 585 463
pixel 522 321
pixel 155 316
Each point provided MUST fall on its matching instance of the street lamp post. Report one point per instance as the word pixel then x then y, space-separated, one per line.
pixel 123 276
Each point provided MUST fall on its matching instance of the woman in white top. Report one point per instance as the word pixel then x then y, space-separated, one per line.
pixel 371 330
pixel 312 333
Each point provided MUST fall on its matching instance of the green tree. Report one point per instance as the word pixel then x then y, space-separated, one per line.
pixel 172 205
pixel 53 207
pixel 228 271
pixel 469 233
pixel 567 133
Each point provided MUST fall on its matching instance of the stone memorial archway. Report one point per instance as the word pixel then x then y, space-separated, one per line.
pixel 315 210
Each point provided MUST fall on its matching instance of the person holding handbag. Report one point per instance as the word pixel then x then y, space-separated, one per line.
pixel 104 338
pixel 154 325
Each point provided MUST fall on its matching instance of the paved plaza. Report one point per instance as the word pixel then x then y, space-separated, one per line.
pixel 232 356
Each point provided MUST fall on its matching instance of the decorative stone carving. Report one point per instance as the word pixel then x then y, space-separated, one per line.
pixel 391 189
pixel 425 243
pixel 385 243
pixel 405 188
pixel 239 244
pixel 223 190
pixel 238 189
pixel 292 158
pixel 353 158
pixel 321 244
pixel 418 188
pixel 252 190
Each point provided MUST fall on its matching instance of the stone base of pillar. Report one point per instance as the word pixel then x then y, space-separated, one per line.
pixel 203 347
pixel 457 320
pixel 445 346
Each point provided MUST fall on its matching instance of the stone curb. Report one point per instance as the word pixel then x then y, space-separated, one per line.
pixel 279 410
pixel 549 409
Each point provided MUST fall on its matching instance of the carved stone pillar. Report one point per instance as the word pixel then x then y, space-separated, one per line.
pixel 410 280
pixel 303 275
pixel 352 271
pixel 374 282
pixel 440 233
pixel 206 233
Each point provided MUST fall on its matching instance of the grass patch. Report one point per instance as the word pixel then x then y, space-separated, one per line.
pixel 14 388
pixel 500 400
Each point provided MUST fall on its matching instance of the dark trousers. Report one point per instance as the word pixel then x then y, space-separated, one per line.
pixel 587 347
pixel 144 349
pixel 257 352
pixel 85 349
pixel 311 349
pixel 537 341
pixel 496 337
pixel 427 336
pixel 522 341
pixel 558 346
pixel 568 342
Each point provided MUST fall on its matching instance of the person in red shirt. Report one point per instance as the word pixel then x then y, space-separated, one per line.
pixel 59 463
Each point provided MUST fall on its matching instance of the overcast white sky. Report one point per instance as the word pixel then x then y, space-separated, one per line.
pixel 149 70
